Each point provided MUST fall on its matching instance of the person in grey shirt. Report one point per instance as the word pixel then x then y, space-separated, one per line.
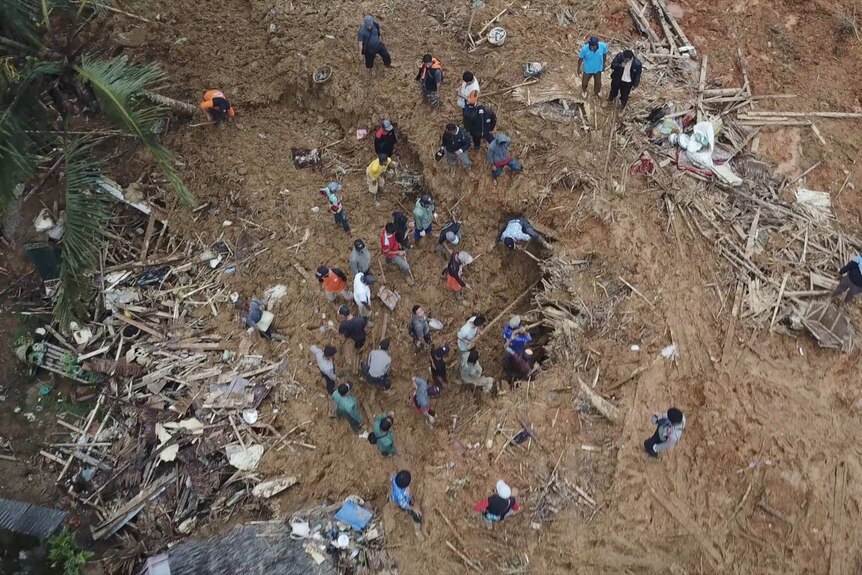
pixel 421 400
pixel 376 369
pixel 360 258
pixel 326 365
pixel 419 327
pixel 371 43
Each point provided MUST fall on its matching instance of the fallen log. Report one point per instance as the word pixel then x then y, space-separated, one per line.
pixel 175 105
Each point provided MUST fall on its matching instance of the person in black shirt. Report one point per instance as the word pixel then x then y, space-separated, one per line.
pixel 438 370
pixel 402 229
pixel 453 272
pixel 454 146
pixel 385 139
pixel 353 327
pixel 851 279
pixel 479 122
pixel 451 233
pixel 499 505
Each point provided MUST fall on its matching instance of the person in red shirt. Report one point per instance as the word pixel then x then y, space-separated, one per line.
pixel 393 252
pixel 216 106
pixel 334 283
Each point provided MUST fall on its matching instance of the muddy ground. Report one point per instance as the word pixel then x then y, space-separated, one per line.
pixel 766 478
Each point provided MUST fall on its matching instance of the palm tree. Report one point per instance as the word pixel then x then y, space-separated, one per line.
pixel 46 78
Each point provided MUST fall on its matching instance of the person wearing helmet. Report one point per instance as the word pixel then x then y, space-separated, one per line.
pixel 423 217
pixel 450 234
pixel 336 204
pixel 669 428
pixel 500 505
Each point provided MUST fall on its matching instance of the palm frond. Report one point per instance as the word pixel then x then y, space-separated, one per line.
pixel 23 125
pixel 118 85
pixel 20 25
pixel 87 212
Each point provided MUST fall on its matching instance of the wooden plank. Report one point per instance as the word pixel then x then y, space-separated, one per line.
pixel 700 87
pixel 141 326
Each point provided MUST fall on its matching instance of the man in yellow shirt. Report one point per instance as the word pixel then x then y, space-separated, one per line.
pixel 374 173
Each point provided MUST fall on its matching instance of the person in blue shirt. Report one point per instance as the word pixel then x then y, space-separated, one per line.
pixel 591 63
pixel 517 337
pixel 401 496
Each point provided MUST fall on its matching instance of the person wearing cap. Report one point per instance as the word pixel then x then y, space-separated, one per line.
pixel 591 63
pixel 453 270
pixel 469 332
pixel 439 371
pixel 424 213
pixel 468 91
pixel 479 122
pixel 419 328
pixel 455 144
pixel 371 44
pixel 216 107
pixel 381 434
pixel 360 258
pixel 385 139
pixel 519 366
pixel 334 283
pixel 851 279
pixel 362 293
pixel 326 365
pixel 403 228
pixel 352 327
pixel 393 252
pixel 500 505
pixel 471 372
pixel 347 407
pixel 451 234
pixel 669 428
pixel 400 495
pixel 376 369
pixel 374 173
pixel 520 230
pixel 430 76
pixel 516 336
pixel 625 76
pixel 499 156
pixel 336 206
pixel 253 317
pixel 421 399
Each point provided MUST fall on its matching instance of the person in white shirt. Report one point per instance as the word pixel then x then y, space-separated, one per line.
pixel 362 293
pixel 468 91
pixel 520 230
pixel 625 76
pixel 669 428
pixel 469 332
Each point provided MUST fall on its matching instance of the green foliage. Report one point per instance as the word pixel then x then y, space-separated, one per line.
pixel 62 552
pixel 37 59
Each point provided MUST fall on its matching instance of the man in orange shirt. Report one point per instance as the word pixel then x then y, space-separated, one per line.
pixel 216 106
pixel 334 283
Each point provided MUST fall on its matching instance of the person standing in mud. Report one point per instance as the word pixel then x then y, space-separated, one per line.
pixel 454 146
pixel 385 139
pixel 625 76
pixel 371 43
pixel 403 227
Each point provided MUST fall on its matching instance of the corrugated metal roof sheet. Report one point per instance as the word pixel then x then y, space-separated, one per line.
pixel 28 519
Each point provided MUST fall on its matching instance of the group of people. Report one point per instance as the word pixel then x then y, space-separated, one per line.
pixel 353 289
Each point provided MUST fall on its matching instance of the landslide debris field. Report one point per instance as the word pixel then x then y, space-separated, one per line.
pixel 766 478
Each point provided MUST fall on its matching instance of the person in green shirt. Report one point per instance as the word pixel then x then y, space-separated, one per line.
pixel 381 434
pixel 346 406
pixel 423 216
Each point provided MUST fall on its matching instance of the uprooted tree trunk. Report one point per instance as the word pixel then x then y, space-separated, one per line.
pixel 602 405
pixel 175 105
